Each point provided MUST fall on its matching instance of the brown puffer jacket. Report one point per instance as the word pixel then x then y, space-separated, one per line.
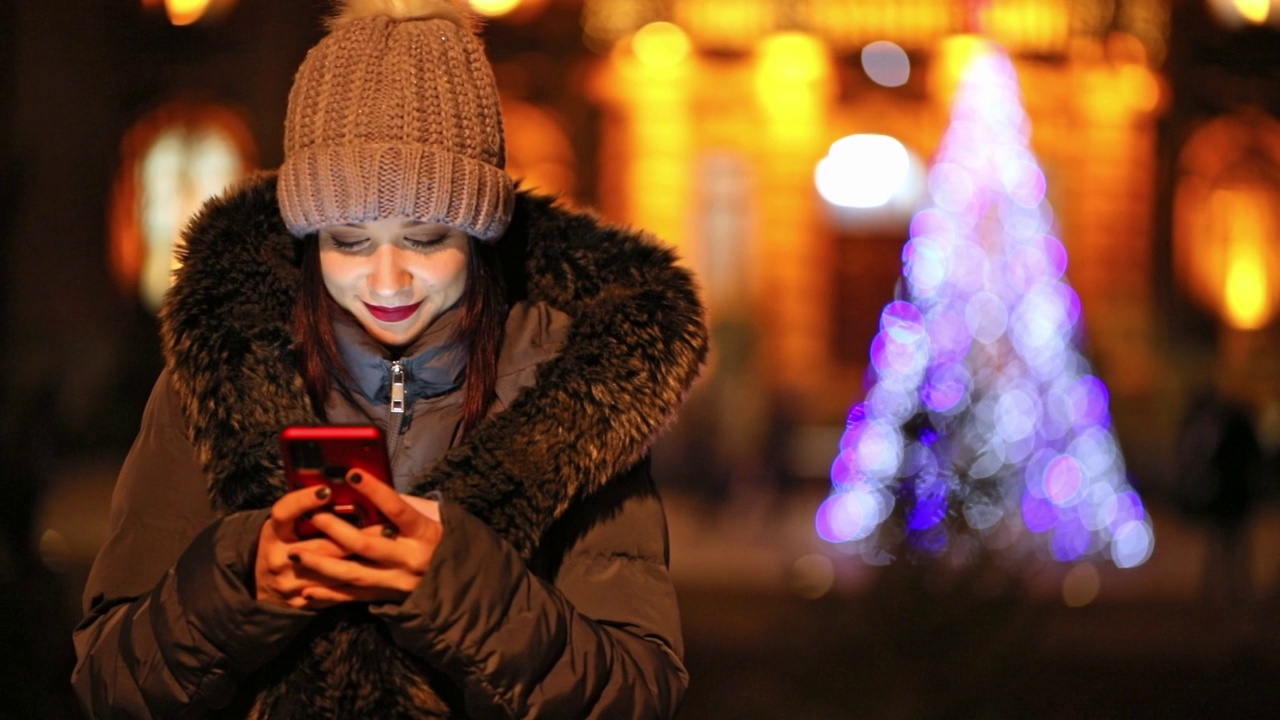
pixel 549 594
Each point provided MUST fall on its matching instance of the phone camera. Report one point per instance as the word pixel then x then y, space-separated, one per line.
pixel 307 455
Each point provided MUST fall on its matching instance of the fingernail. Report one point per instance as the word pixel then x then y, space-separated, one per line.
pixel 293 557
pixel 356 478
pixel 390 531
pixel 323 493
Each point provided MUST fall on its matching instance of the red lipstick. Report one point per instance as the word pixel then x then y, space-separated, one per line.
pixel 392 314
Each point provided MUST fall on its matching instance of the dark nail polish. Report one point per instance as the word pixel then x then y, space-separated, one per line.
pixel 356 478
pixel 323 493
pixel 293 557
pixel 390 531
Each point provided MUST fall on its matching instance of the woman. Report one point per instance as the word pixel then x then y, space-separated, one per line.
pixel 520 359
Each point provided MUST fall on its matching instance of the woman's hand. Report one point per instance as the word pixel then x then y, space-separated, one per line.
pixel 374 564
pixel 277 575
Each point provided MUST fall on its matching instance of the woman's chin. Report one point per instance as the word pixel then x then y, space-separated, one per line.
pixel 390 334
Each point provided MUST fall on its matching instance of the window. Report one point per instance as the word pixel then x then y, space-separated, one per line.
pixel 171 162
pixel 1226 233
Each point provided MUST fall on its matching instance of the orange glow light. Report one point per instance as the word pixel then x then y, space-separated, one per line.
pixel 955 54
pixel 795 82
pixel 494 8
pixel 1246 296
pixel 1253 11
pixel 725 24
pixel 661 44
pixel 1246 302
pixel 1141 87
pixel 186 12
pixel 789 57
pixel 1235 13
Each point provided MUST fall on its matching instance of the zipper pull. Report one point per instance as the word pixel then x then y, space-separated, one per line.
pixel 397 387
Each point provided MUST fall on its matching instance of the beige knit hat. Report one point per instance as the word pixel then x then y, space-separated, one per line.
pixel 395 113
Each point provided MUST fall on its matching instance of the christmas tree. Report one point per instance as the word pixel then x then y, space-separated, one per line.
pixel 981 416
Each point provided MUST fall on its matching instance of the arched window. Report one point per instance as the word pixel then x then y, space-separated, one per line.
pixel 172 160
pixel 1226 231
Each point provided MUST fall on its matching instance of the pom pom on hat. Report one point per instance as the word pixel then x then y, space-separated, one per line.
pixel 395 113
pixel 459 12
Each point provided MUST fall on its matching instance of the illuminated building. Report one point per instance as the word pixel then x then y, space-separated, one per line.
pixel 770 86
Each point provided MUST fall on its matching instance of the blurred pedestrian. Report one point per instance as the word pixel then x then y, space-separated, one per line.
pixel 1219 484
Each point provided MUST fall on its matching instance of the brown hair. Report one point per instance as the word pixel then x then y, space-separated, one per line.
pixel 480 329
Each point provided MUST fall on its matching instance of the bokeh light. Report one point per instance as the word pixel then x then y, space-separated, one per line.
pixel 862 171
pixel 1080 585
pixel 812 576
pixel 886 63
pixel 494 8
pixel 189 12
pixel 1237 13
pixel 186 12
pixel 794 57
pixel 661 44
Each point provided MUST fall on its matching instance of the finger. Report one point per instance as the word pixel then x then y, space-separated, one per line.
pixel 287 575
pixel 319 596
pixel 379 544
pixel 358 574
pixel 291 506
pixel 319 546
pixel 376 543
pixel 281 561
pixel 388 501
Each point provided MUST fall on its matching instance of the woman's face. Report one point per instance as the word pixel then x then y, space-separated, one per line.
pixel 395 275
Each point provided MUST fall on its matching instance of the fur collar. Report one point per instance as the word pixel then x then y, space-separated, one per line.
pixel 637 342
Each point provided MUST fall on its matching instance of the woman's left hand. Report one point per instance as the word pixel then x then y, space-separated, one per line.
pixel 383 563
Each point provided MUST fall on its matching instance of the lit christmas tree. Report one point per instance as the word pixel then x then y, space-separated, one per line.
pixel 981 415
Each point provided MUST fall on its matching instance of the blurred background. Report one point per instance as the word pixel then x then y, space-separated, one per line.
pixel 817 164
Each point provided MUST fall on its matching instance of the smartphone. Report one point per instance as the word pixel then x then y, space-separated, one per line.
pixel 322 455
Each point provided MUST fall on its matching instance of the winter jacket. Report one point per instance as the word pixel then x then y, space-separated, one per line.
pixel 548 595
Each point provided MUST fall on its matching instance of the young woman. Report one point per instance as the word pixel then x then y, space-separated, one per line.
pixel 520 359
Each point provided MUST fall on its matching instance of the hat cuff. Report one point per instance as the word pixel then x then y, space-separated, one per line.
pixel 339 184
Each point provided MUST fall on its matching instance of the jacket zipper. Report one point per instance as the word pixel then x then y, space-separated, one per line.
pixel 396 421
pixel 397 388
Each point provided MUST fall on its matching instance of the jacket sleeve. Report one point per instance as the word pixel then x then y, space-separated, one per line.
pixel 170 619
pixel 600 641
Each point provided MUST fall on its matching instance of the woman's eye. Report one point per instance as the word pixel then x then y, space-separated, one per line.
pixel 425 242
pixel 346 245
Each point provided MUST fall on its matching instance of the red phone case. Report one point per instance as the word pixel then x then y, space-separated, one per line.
pixel 322 455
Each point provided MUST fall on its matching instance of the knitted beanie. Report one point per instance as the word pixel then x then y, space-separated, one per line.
pixel 395 113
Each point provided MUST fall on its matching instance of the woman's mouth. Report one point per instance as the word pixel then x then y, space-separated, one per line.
pixel 393 314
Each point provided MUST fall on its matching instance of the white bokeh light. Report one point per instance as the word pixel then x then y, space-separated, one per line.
pixel 863 171
pixel 886 64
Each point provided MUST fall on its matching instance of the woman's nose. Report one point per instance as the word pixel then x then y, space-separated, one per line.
pixel 388 276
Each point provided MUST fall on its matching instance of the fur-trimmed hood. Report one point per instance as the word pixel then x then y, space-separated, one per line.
pixel 637 341
pixel 635 344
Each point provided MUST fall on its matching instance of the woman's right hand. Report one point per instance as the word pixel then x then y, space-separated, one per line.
pixel 277 576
